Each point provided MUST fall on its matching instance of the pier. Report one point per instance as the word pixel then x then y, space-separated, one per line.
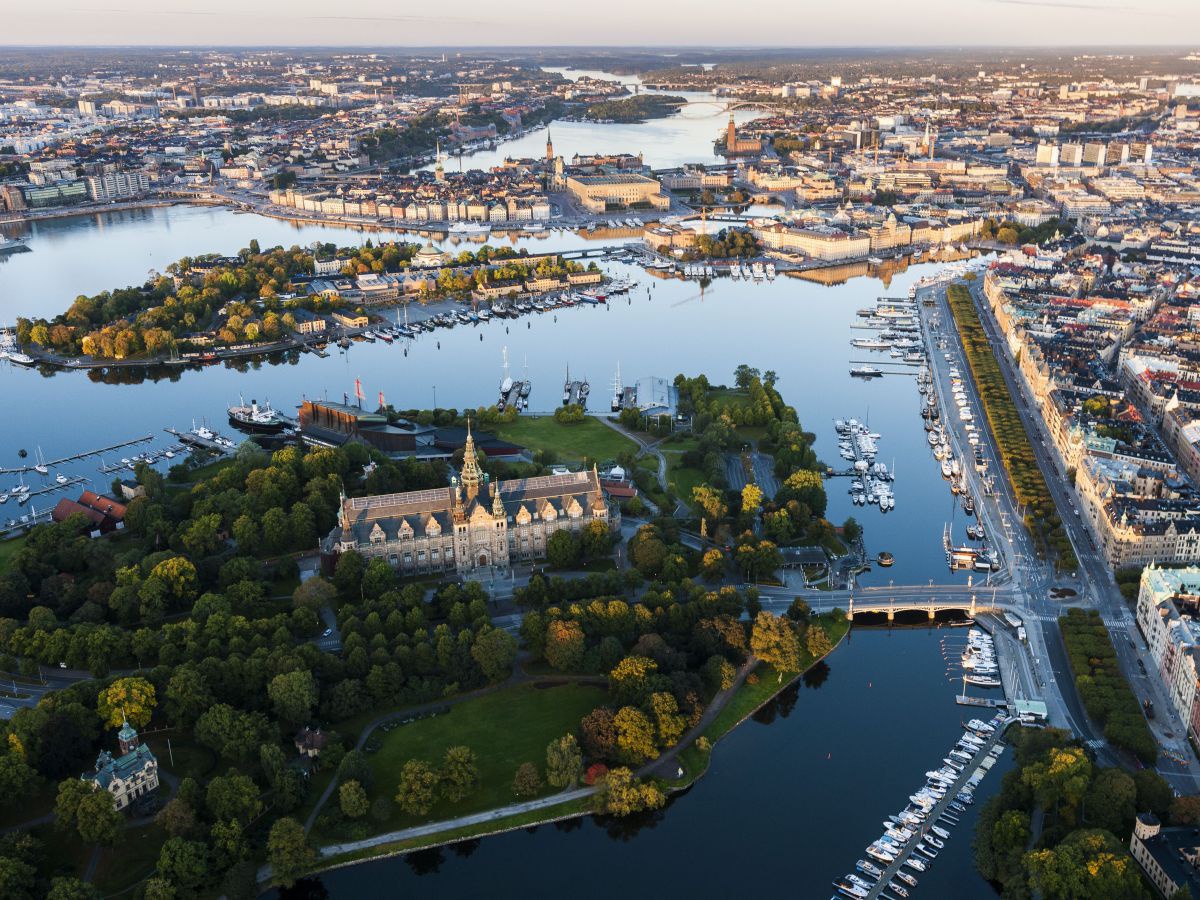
pixel 195 440
pixel 50 464
pixel 970 776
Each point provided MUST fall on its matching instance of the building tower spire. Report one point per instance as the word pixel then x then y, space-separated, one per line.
pixel 731 136
pixel 439 171
pixel 471 474
pixel 549 145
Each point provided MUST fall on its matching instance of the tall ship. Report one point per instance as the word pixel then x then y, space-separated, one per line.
pixel 257 419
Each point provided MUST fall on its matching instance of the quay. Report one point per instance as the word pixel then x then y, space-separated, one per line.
pixel 21 470
pixel 149 458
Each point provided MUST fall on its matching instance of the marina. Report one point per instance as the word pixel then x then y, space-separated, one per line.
pixel 858 445
pixel 75 457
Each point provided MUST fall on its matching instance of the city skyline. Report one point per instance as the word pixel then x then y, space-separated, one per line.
pixel 937 23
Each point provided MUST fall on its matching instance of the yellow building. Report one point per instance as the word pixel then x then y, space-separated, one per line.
pixel 598 193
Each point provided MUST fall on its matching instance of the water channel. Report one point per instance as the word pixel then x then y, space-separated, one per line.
pixel 794 801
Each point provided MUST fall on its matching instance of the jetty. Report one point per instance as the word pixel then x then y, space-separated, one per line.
pixel 51 463
pixel 194 440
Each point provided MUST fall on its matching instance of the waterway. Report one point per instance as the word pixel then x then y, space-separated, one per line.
pixel 790 802
pixel 792 798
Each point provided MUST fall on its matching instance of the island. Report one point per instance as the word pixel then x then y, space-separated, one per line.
pixel 638 108
pixel 243 711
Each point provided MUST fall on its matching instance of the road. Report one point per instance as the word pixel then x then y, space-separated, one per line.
pixel 1093 582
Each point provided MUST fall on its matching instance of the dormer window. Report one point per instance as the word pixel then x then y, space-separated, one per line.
pixel 377 535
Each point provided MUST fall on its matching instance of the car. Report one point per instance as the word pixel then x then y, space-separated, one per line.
pixel 327 632
pixel 62 665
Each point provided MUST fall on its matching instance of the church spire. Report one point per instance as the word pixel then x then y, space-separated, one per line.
pixel 549 145
pixel 343 516
pixel 471 474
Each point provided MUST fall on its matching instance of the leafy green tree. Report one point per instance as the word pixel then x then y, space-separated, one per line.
pixel 314 593
pixel 564 761
pixel 1109 802
pixel 1087 863
pixel 247 535
pixel 66 887
pixel 188 696
pixel 562 550
pixel 1062 777
pixel 129 699
pixel 595 540
pixel 288 851
pixel 495 651
pixel 293 694
pixel 233 796
pixel 712 564
pixel 711 503
pixel 459 774
pixel 598 734
pixel 353 800
pixel 184 863
pixel 228 841
pixel 417 788
pixel 564 645
pixel 177 818
pixel 527 782
pixel 276 530
pixel 88 811
pixel 17 878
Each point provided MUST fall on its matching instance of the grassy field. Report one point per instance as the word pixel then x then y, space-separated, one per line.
pixel 681 478
pixel 589 438
pixel 8 549
pixel 190 759
pixel 505 728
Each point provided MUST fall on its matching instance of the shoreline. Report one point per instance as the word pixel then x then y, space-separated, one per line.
pixel 494 827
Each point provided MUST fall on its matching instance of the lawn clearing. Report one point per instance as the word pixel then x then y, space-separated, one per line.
pixel 504 728
pixel 589 438
pixel 8 550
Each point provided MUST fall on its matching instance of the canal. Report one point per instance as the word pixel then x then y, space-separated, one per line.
pixel 788 802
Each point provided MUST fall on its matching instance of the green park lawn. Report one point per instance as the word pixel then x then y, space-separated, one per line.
pixel 184 757
pixel 8 549
pixel 589 438
pixel 681 478
pixel 505 729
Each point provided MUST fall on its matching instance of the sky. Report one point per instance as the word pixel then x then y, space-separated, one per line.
pixel 799 23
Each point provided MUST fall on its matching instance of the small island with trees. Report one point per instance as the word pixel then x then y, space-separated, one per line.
pixel 635 109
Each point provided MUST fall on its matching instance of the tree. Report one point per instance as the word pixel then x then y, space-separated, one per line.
pixel 752 498
pixel 621 794
pixel 743 375
pixel 817 641
pixel 564 645
pixel 188 696
pixel 353 800
pixel 246 534
pixel 711 502
pixel 228 841
pixel 288 851
pixel 459 773
pixel 1087 863
pixel 294 694
pixel 773 640
pixel 97 819
pixel 127 699
pixel 668 723
pixel 1185 811
pixel 564 761
pixel 1109 802
pixel 851 530
pixel 799 610
pixel 233 796
pixel 635 735
pixel 1062 776
pixel 495 651
pixel 712 565
pixel 202 536
pixel 276 530
pixel 184 863
pixel 315 593
pixel 527 782
pixel 562 550
pixel 598 732
pixel 417 788
pixel 177 818
pixel 66 887
pixel 595 540
pixel 630 680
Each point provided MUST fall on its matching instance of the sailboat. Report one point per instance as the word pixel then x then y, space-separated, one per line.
pixel 40 466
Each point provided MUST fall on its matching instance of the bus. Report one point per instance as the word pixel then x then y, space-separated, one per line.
pixel 1021 636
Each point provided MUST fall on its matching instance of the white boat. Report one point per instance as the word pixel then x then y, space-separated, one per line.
pixel 467 228
pixel 940 832
pixel 61 479
pixel 913 863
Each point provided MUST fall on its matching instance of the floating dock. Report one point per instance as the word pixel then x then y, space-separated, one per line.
pixel 203 443
pixel 51 463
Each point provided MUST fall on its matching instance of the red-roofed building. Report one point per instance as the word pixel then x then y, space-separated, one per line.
pixel 104 512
